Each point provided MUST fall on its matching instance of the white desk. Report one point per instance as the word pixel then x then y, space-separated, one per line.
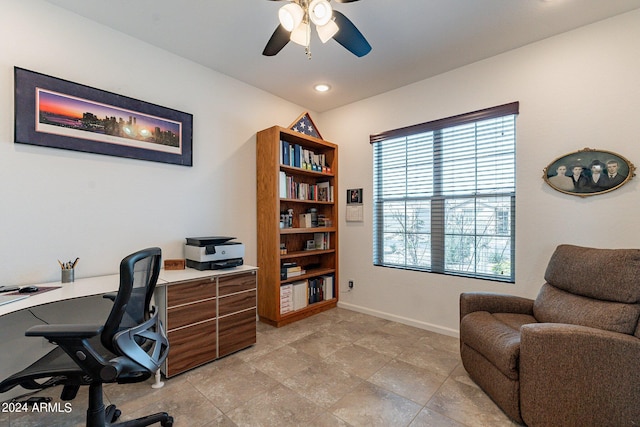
pixel 91 286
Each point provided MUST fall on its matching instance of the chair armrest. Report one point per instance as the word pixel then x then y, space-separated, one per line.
pixel 64 331
pixel 576 375
pixel 494 303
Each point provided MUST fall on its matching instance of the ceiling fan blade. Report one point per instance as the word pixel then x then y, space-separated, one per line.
pixel 349 36
pixel 278 40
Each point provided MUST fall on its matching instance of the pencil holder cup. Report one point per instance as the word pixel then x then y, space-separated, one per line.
pixel 67 275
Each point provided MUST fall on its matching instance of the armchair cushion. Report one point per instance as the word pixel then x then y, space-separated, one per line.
pixel 554 305
pixel 584 271
pixel 494 303
pixel 496 337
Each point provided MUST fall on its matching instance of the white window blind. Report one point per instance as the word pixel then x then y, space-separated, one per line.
pixel 444 195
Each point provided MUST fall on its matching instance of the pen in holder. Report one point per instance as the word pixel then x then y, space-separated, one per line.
pixel 68 270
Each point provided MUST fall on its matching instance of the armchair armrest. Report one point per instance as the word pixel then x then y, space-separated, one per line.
pixel 576 375
pixel 494 303
pixel 64 331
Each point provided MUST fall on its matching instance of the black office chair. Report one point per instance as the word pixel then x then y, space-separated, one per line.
pixel 129 347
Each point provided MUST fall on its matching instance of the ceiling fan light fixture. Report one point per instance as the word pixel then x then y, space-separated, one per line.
pixel 290 16
pixel 300 34
pixel 328 30
pixel 320 12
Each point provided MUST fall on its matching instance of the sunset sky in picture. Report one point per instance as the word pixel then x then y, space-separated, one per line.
pixel 50 102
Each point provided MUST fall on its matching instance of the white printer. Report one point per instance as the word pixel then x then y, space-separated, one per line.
pixel 212 253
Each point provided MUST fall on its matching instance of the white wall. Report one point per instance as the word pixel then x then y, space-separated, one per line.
pixel 57 204
pixel 576 90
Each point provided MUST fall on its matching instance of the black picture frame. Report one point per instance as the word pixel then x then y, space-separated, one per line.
pixel 57 113
pixel 354 196
pixel 575 173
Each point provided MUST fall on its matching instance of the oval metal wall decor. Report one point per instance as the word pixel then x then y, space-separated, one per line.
pixel 588 172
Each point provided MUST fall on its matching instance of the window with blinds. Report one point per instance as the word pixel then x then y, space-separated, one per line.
pixel 444 195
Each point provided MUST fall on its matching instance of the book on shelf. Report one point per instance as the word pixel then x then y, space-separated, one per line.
pixel 316 290
pixel 325 191
pixel 283 185
pixel 291 269
pixel 322 241
pixel 328 286
pixel 299 294
pixel 285 153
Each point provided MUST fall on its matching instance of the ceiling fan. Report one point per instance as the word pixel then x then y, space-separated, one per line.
pixel 296 18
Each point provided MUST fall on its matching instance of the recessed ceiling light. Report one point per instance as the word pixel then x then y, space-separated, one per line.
pixel 322 87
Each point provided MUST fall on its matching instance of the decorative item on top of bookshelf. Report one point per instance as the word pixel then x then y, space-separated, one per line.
pixel 305 125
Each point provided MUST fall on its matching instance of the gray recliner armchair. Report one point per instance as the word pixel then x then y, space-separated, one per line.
pixel 571 357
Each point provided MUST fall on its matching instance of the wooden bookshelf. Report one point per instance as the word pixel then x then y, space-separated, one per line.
pixel 317 263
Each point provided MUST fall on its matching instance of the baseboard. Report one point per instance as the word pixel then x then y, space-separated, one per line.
pixel 404 320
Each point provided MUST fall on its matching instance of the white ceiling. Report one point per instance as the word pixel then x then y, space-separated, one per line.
pixel 411 39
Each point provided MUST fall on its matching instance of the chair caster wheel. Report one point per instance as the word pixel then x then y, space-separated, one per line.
pixel 112 413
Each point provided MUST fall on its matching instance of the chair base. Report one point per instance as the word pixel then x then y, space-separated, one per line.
pixel 99 416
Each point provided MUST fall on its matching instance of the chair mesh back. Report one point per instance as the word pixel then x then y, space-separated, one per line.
pixel 138 276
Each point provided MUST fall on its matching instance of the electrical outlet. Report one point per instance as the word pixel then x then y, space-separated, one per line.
pixel 350 284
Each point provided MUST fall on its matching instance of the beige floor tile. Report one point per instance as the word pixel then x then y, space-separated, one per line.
pixel 284 362
pixel 279 407
pixel 231 385
pixel 467 405
pixel 322 384
pixel 382 342
pixel 399 329
pixel 423 355
pixel 326 419
pixel 369 405
pixel 358 360
pixel 409 381
pixel 429 418
pixel 320 344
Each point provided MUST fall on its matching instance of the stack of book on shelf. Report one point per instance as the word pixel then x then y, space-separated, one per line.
pixel 290 269
pixel 299 157
pixel 286 298
pixel 320 289
pixel 297 295
pixel 291 189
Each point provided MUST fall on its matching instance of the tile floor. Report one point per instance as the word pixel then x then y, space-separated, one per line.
pixel 338 368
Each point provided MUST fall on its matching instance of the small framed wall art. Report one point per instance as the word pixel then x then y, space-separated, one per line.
pixel 355 211
pixel 57 113
pixel 588 172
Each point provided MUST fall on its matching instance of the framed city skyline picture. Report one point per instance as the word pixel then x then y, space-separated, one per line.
pixel 588 172
pixel 57 113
